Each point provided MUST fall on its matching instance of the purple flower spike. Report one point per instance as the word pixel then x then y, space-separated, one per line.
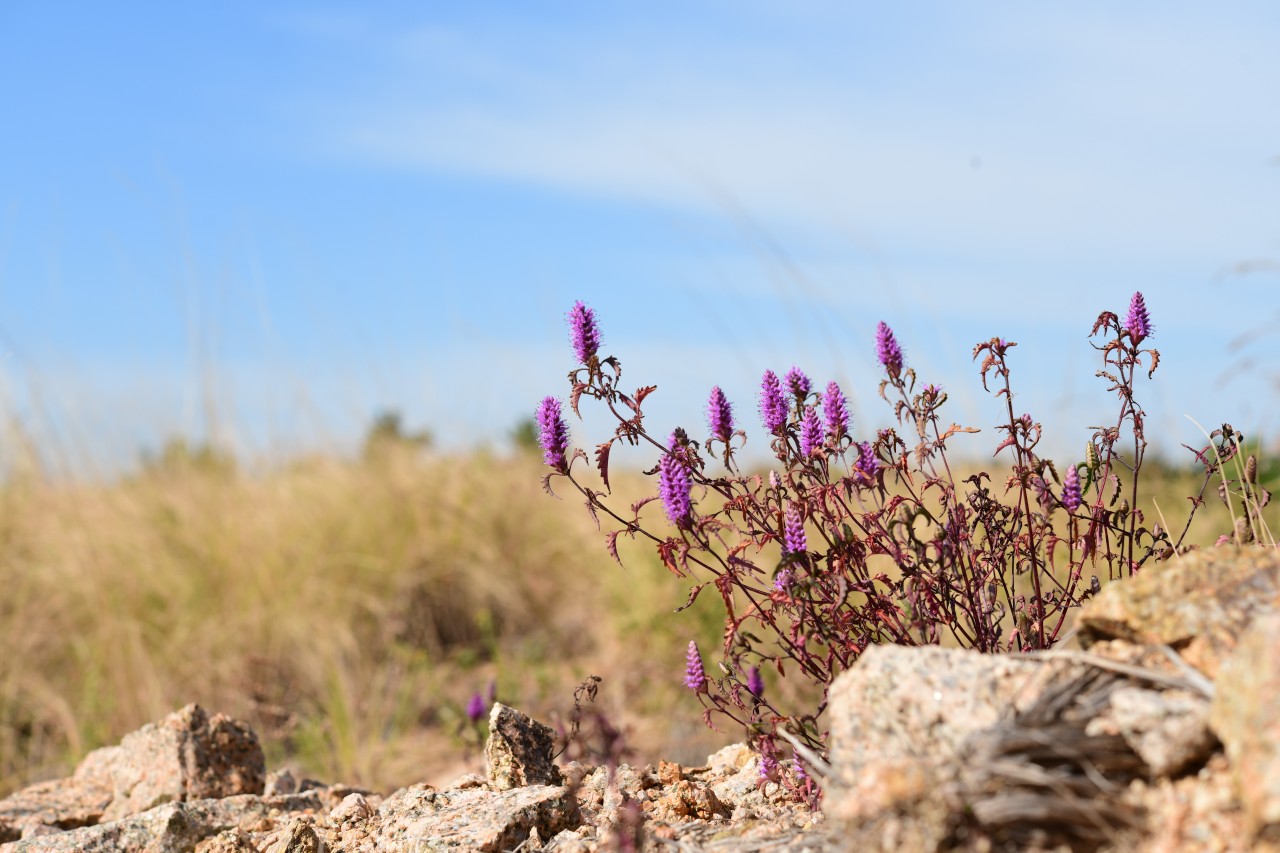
pixel 553 433
pixel 867 464
pixel 475 708
pixel 719 415
pixel 888 351
pixel 798 384
pixel 695 678
pixel 773 406
pixel 583 332
pixel 1138 322
pixel 793 538
pixel 674 483
pixel 1071 498
pixel 833 404
pixel 755 682
pixel 810 433
pixel 782 581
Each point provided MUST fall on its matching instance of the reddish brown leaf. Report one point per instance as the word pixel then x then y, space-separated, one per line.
pixel 602 460
pixel 693 595
pixel 574 395
pixel 635 507
pixel 546 485
pixel 611 543
pixel 641 393
pixel 665 550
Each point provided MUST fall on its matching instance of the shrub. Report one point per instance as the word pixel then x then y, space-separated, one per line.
pixel 852 541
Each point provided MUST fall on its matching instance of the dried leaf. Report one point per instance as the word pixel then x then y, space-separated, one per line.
pixel 665 551
pixel 602 461
pixel 1155 361
pixel 635 507
pixel 693 595
pixel 611 544
pixel 955 428
pixel 546 485
pixel 575 395
pixel 641 393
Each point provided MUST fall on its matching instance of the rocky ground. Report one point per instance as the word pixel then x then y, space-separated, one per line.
pixel 1156 728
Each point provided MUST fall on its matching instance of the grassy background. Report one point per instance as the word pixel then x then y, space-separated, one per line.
pixel 346 609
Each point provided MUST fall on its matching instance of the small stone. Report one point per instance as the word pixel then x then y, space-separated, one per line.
pixel 519 750
pixel 353 808
pixel 280 782
pixel 228 841
pixel 1200 603
pixel 1246 716
pixel 298 837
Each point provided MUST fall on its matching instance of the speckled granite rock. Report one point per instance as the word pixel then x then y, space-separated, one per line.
pixel 1113 748
pixel 186 756
pixel 1199 603
pixel 519 750
pixel 1246 716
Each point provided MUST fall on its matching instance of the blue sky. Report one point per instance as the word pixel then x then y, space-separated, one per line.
pixel 274 220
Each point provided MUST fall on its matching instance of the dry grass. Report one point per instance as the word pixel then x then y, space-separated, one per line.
pixel 347 610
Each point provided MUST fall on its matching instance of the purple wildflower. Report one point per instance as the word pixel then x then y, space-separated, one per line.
pixel 719 415
pixel 674 483
pixel 475 708
pixel 1138 322
pixel 755 682
pixel 695 678
pixel 773 406
pixel 833 404
pixel 782 580
pixel 810 433
pixel 1071 498
pixel 583 332
pixel 768 767
pixel 553 433
pixel 888 351
pixel 793 538
pixel 867 464
pixel 798 384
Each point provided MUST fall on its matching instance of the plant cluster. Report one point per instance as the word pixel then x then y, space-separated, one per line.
pixel 853 539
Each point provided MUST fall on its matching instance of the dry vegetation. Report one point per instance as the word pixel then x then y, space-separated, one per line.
pixel 346 609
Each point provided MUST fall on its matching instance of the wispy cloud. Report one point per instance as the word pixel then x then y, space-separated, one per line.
pixel 1040 136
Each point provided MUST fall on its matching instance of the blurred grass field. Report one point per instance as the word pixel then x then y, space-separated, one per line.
pixel 347 609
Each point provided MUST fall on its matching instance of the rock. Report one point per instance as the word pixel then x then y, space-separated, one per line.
pixel 1246 717
pixel 166 829
pixel 280 782
pixel 899 702
pixel 228 841
pixel 934 747
pixel 421 818
pixel 1168 729
pixel 353 808
pixel 519 750
pixel 1200 603
pixel 299 836
pixel 187 755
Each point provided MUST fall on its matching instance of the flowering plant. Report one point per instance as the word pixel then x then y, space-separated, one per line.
pixel 850 542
